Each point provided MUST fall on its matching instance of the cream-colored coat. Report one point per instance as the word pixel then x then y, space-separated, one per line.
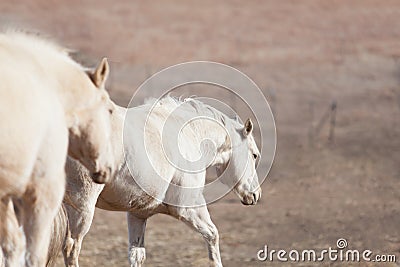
pixel 46 101
pixel 127 192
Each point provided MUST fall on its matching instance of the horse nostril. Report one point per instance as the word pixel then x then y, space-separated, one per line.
pixel 255 197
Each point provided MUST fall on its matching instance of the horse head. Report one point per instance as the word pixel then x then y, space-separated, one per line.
pixel 239 170
pixel 89 137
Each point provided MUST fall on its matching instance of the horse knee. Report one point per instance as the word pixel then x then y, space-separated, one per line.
pixel 212 235
pixel 137 256
pixel 71 252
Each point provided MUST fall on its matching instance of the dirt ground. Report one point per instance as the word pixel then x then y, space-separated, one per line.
pixel 304 55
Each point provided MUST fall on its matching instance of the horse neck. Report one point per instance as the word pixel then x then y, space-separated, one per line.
pixel 73 87
pixel 218 135
pixel 117 124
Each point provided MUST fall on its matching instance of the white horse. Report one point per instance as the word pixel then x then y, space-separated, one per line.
pixel 50 106
pixel 127 194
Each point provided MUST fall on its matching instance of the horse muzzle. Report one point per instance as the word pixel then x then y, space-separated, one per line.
pixel 102 176
pixel 251 198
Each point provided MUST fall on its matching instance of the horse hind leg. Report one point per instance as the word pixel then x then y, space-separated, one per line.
pixel 136 250
pixel 12 238
pixel 40 204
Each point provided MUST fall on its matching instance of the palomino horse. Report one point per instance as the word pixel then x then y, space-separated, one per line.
pixel 124 193
pixel 50 107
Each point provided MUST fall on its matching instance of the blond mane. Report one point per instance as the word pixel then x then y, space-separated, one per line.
pixel 170 103
pixel 37 45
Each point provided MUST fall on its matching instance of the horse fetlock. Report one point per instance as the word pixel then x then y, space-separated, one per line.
pixel 137 256
pixel 212 236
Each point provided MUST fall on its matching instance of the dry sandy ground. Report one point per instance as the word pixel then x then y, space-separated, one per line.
pixel 304 55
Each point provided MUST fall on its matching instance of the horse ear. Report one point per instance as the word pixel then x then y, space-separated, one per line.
pixel 100 74
pixel 248 127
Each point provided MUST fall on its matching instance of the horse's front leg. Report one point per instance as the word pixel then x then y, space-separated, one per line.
pixel 136 251
pixel 80 211
pixel 199 219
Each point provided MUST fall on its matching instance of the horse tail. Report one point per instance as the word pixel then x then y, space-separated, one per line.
pixel 58 235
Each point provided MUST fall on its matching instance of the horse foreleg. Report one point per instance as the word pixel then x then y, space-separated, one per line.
pixel 136 250
pixel 80 216
pixel 71 251
pixel 199 219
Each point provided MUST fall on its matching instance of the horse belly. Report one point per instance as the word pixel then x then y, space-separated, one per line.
pixel 120 196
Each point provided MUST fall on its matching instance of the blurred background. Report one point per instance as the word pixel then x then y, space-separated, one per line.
pixel 331 73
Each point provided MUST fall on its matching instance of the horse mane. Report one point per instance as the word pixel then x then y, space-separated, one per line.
pixel 169 103
pixel 38 45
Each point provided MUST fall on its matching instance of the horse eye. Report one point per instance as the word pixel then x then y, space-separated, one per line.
pixel 111 111
pixel 255 156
